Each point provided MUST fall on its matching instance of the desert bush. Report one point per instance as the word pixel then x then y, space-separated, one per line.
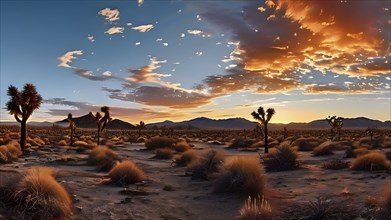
pixel 10 152
pixel 181 146
pixel 335 164
pixel 241 143
pixel 257 145
pixel 205 165
pixel 63 143
pixel 281 158
pixel 241 174
pixel 39 196
pixel 360 151
pixel 186 158
pixel 164 153
pixel 324 148
pixel 371 161
pixel 322 208
pixel 125 173
pixel 306 144
pixel 5 140
pixel 103 157
pixel 85 144
pixel 255 209
pixel 159 142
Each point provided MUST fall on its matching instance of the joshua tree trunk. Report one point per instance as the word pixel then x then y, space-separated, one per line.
pixel 23 135
pixel 72 133
pixel 266 140
pixel 98 135
pixel 332 134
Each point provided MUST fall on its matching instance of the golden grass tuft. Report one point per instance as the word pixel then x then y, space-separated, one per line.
pixel 324 148
pixel 125 173
pixel 283 157
pixel 85 144
pixel 208 163
pixel 371 161
pixel 306 144
pixel 103 157
pixel 187 157
pixel 39 196
pixel 360 151
pixel 181 146
pixel 241 174
pixel 164 153
pixel 10 152
pixel 255 209
pixel 63 143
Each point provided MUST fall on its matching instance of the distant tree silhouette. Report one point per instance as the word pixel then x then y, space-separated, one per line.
pixel 140 127
pixel 336 123
pixel 264 118
pixel 21 105
pixel 101 122
pixel 72 127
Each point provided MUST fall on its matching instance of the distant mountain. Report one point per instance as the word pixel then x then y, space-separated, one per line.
pixel 86 121
pixel 241 123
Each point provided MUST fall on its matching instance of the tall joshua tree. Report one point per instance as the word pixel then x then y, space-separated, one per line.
pixel 21 105
pixel 101 122
pixel 140 127
pixel 264 118
pixel 336 123
pixel 72 127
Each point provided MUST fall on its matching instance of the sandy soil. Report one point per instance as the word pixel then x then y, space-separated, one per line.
pixel 189 199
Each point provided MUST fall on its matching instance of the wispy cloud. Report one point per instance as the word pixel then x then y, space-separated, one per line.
pixel 68 57
pixel 115 30
pixel 109 14
pixel 198 32
pixel 143 28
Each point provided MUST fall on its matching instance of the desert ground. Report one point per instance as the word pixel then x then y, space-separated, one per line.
pixel 329 185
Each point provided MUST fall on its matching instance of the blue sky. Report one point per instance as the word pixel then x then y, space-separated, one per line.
pixel 178 60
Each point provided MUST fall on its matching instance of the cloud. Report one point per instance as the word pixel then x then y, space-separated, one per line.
pixel 82 108
pixel 68 57
pixel 115 30
pixel 143 28
pixel 88 74
pixel 90 38
pixel 198 33
pixel 109 14
pixel 140 2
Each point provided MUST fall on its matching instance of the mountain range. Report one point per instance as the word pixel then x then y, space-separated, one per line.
pixel 86 121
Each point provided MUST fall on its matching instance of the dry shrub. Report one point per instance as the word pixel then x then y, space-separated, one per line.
pixel 181 146
pixel 255 209
pixel 257 145
pixel 281 158
pixel 205 165
pixel 85 144
pixel 241 143
pixel 322 208
pixel 324 148
pixel 103 157
pixel 335 164
pixel 371 161
pixel 5 140
pixel 164 153
pixel 125 173
pixel 33 142
pixel 306 144
pixel 360 151
pixel 241 174
pixel 159 142
pixel 10 152
pixel 186 158
pixel 63 143
pixel 14 135
pixel 39 196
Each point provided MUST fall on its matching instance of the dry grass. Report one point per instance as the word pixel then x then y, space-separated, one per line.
pixel 39 196
pixel 63 143
pixel 181 146
pixel 205 165
pixel 360 151
pixel 371 161
pixel 255 209
pixel 281 158
pixel 186 158
pixel 241 174
pixel 306 144
pixel 125 173
pixel 335 164
pixel 10 152
pixel 103 157
pixel 85 144
pixel 241 143
pixel 164 153
pixel 159 142
pixel 324 148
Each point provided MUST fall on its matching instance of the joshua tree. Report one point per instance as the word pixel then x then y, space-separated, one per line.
pixel 285 132
pixel 140 127
pixel 72 127
pixel 371 132
pixel 264 119
pixel 336 123
pixel 21 105
pixel 101 122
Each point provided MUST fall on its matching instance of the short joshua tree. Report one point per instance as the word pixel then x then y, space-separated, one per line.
pixel 336 124
pixel 371 132
pixel 264 118
pixel 101 122
pixel 140 127
pixel 21 105
pixel 72 127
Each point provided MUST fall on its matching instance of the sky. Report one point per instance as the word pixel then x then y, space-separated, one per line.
pixel 178 60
